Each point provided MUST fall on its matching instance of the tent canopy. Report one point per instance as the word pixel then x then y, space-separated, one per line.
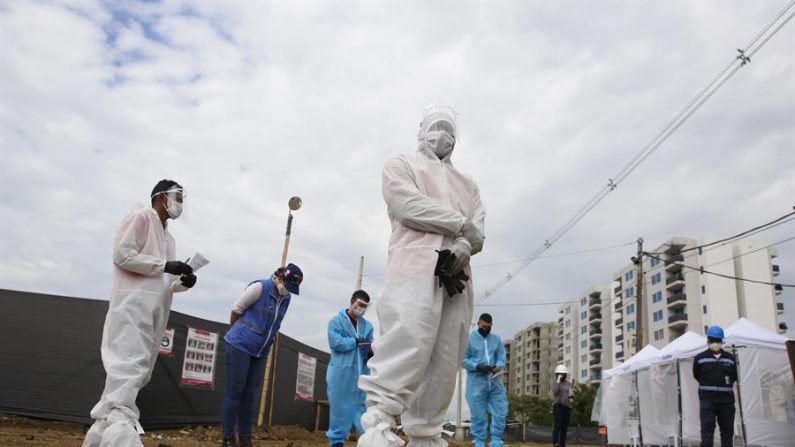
pixel 746 333
pixel 642 359
pixel 687 345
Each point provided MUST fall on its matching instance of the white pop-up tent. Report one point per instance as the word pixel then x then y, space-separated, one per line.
pixel 767 391
pixel 617 398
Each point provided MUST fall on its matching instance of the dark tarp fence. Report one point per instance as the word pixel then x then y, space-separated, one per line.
pixel 51 367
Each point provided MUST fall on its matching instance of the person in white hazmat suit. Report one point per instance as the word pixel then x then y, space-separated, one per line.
pixel 424 331
pixel 145 276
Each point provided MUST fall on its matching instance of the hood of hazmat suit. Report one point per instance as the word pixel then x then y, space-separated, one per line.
pixel 140 301
pixel 485 390
pixel 423 331
pixel 348 362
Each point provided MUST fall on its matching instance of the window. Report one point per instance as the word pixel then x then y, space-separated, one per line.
pixel 568 309
pixel 584 373
pixel 703 290
pixel 568 349
pixel 629 275
pixel 658 315
pixel 583 301
pixel 704 308
pixel 630 326
pixel 656 297
pixel 568 323
pixel 584 358
pixel 584 343
pixel 629 292
pixel 584 315
pixel 700 251
pixel 568 336
pixel 568 363
pixel 630 308
pixel 655 279
pixel 655 261
pixel 584 329
pixel 659 334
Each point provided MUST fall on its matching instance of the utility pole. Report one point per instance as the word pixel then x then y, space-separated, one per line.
pixel 639 300
pixel 361 273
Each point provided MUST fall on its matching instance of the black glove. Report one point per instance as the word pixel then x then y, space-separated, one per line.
pixel 454 284
pixel 484 368
pixel 178 268
pixel 188 280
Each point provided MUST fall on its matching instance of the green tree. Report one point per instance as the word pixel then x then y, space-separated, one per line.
pixel 581 405
pixel 531 409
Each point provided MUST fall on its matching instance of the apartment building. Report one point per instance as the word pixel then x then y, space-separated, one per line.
pixel 506 373
pixel 678 296
pixel 534 355
pixel 585 325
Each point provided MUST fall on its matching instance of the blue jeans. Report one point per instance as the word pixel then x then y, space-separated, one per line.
pixel 243 379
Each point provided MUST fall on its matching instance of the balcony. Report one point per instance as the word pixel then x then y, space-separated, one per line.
pixel 776 270
pixel 595 362
pixel 620 354
pixel 619 338
pixel 595 302
pixel 780 308
pixel 677 320
pixel 672 259
pixel 596 347
pixel 619 322
pixel 596 333
pixel 676 280
pixel 778 289
pixel 617 306
pixel 595 317
pixel 617 290
pixel 677 300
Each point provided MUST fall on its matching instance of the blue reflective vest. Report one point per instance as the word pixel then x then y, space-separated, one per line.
pixel 256 329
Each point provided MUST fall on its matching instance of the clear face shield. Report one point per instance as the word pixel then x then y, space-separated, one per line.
pixel 438 130
pixel 175 202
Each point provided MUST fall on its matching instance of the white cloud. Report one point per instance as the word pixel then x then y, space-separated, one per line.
pixel 247 104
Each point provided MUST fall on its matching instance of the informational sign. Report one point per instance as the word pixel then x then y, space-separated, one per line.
pixel 198 368
pixel 167 343
pixel 305 377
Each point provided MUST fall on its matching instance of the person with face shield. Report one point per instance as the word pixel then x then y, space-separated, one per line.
pixel 145 276
pixel 432 207
pixel 256 318
pixel 715 370
pixel 349 337
pixel 561 405
pixel 484 360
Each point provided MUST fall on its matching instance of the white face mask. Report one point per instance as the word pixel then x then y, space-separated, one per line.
pixel 714 347
pixel 358 311
pixel 282 289
pixel 173 208
pixel 440 142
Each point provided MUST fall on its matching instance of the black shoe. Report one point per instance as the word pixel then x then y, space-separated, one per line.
pixel 245 441
pixel 228 442
pixel 339 444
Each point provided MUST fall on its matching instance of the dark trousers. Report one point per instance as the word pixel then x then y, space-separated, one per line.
pixel 562 415
pixel 243 379
pixel 724 413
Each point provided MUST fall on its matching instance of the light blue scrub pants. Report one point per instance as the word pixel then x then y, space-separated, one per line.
pixel 493 400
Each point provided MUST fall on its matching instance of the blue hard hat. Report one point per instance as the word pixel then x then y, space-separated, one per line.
pixel 715 332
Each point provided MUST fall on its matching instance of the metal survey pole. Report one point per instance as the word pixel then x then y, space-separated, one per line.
pixel 293 204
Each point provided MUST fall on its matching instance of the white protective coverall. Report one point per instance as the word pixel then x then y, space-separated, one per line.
pixel 424 332
pixel 140 301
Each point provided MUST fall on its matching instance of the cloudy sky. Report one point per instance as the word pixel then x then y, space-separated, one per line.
pixel 249 103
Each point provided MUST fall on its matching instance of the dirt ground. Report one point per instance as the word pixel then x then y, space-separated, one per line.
pixel 16 431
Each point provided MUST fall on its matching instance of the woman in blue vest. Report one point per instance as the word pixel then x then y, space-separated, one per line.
pixel 255 319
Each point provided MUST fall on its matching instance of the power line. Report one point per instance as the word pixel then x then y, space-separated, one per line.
pixel 743 58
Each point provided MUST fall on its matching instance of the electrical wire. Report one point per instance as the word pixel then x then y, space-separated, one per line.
pixel 723 76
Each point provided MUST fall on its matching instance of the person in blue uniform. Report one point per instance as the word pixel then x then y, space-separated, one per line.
pixel 716 371
pixel 484 361
pixel 349 337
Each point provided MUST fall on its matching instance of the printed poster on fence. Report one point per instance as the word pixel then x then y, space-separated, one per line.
pixel 305 378
pixel 198 368
pixel 167 343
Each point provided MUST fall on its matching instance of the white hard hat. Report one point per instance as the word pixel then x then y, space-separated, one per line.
pixel 561 370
